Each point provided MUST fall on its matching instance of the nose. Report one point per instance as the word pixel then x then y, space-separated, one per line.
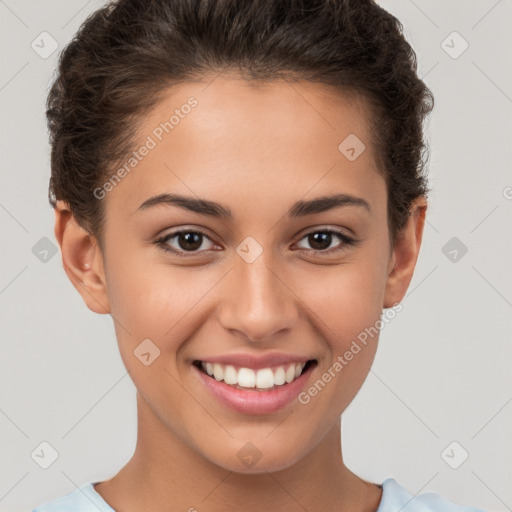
pixel 258 303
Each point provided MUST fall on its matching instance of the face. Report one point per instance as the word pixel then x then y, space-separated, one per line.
pixel 261 279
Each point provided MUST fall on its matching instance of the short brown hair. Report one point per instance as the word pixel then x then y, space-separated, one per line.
pixel 128 52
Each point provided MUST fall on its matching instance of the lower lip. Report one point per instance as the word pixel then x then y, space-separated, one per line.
pixel 254 402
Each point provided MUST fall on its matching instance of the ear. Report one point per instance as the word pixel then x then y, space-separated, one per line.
pixel 82 259
pixel 405 254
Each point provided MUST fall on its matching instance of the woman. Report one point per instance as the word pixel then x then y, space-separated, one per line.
pixel 241 186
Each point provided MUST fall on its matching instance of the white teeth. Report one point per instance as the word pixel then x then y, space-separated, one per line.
pixel 246 378
pixel 290 374
pixel 279 376
pixel 230 375
pixel 264 378
pixel 218 371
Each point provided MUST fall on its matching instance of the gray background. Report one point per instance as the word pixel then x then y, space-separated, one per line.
pixel 443 368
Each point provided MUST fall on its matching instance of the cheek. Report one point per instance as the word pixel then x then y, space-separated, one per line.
pixel 346 299
pixel 154 300
pixel 344 305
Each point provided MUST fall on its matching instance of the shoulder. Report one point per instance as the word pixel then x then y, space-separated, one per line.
pixel 395 497
pixel 83 499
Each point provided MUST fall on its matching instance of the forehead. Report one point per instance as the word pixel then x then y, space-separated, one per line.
pixel 290 110
pixel 269 140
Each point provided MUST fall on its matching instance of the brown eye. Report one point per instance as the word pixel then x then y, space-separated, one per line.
pixel 320 241
pixel 184 241
pixel 189 241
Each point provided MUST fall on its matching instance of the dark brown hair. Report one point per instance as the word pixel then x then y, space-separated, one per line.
pixel 129 52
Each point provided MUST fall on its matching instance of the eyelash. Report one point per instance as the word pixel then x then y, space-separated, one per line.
pixel 347 241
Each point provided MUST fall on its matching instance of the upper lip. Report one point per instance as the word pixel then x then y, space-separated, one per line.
pixel 256 362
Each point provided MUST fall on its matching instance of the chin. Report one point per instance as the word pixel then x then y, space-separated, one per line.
pixel 249 459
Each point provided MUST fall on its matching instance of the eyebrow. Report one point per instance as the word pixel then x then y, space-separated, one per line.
pixel 299 209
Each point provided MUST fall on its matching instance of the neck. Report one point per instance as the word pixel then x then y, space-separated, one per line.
pixel 164 471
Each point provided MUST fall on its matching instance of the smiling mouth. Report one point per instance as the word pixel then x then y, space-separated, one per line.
pixel 248 379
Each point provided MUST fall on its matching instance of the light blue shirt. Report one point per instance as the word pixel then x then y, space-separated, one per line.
pixel 395 498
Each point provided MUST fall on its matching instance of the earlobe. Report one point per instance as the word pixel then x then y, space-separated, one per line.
pixel 82 259
pixel 405 254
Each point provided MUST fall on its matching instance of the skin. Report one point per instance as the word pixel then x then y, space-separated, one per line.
pixel 255 150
